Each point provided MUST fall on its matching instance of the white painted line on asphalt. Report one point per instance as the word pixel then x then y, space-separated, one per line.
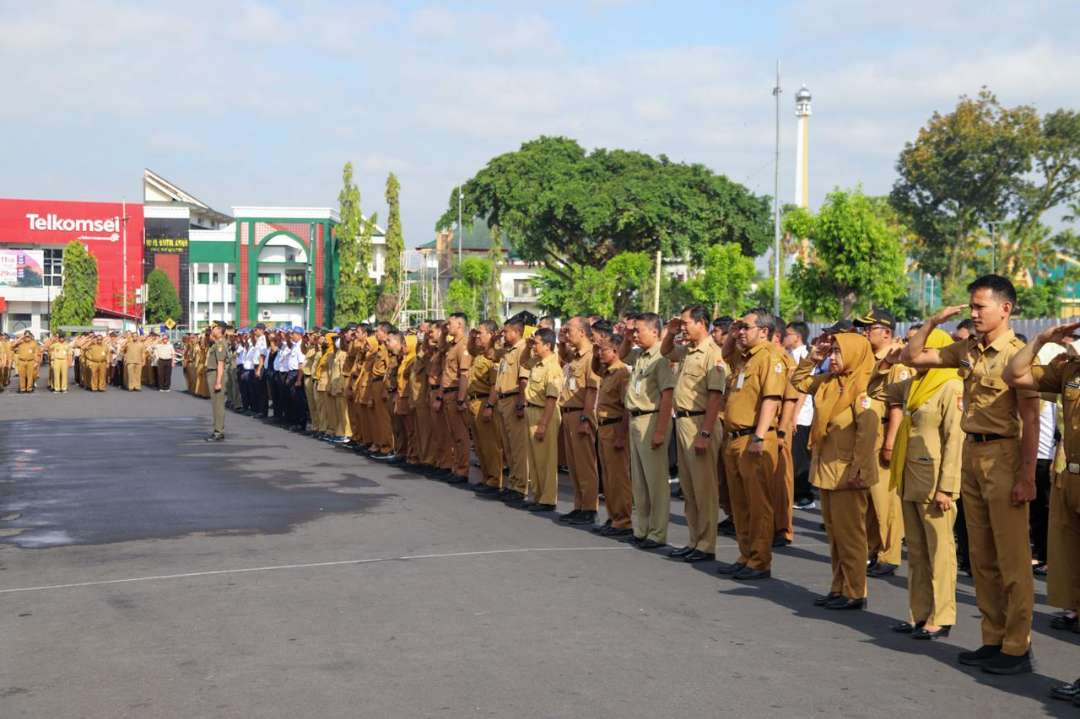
pixel 308 565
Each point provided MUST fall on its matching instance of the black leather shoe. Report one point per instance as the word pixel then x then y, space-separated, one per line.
pixel 509 495
pixel 1063 622
pixel 980 656
pixel 585 517
pixel 726 527
pixel 485 489
pixel 519 503
pixel 569 516
pixel 538 507
pixel 636 541
pixel 781 541
pixel 215 437
pixel 456 479
pixel 680 552
pixel 924 635
pixel 1066 692
pixel 617 533
pixel 746 574
pixel 602 528
pixel 698 556
pixel 647 544
pixel 881 569
pixel 843 602
pixel 825 599
pixel 733 568
pixel 1008 664
pixel 907 627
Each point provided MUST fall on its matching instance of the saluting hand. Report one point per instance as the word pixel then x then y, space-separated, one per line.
pixel 1062 334
pixel 946 314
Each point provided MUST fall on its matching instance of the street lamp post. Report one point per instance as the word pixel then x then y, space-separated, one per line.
pixel 776 201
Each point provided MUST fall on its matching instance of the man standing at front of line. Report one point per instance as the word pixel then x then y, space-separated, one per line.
pixel 27 358
pixel 579 426
pixel 215 378
pixel 998 471
pixel 60 360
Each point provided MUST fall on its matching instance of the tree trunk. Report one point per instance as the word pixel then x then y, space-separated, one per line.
pixel 847 304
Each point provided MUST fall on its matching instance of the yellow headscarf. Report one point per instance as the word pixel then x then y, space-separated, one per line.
pixel 921 389
pixel 841 391
pixel 406 361
pixel 373 344
pixel 321 366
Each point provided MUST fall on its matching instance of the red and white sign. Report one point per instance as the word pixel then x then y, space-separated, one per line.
pixel 101 227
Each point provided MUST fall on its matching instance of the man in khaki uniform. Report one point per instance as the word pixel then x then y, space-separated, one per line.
pixel 648 401
pixel 7 356
pixel 542 393
pixel 998 475
pixel 698 395
pixel 311 356
pixel 382 435
pixel 216 358
pixel 783 486
pixel 455 391
pixel 133 362
pixel 607 394
pixel 27 359
pixel 96 357
pixel 758 382
pixel 486 440
pixel 885 520
pixel 60 359
pixel 579 427
pixel 506 396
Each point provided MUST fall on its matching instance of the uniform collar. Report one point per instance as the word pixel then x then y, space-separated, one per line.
pixel 997 345
pixel 585 347
pixel 614 366
pixel 755 349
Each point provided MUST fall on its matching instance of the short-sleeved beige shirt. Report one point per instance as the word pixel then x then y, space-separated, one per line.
pixel 701 370
pixel 545 380
pixel 761 374
pixel 990 405
pixel 650 376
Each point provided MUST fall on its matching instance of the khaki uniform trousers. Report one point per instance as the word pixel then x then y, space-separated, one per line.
pixel 420 452
pixel 544 455
pixel 309 395
pixel 1063 579
pixel 133 375
pixel 618 496
pixel 723 494
pixel 783 491
pixel 382 433
pixel 59 372
pixel 27 374
pixel 487 443
pixel 328 410
pixel 440 439
pixel 97 375
pixel 5 377
pixel 844 514
pixel 581 461
pixel 931 563
pixel 217 400
pixel 884 521
pixel 515 438
pixel 999 543
pixel 749 477
pixel 457 423
pixel 649 479
pixel 697 477
pixel 341 426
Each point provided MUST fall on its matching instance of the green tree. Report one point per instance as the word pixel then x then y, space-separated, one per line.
pixel 587 290
pixel 725 280
pixel 962 172
pixel 857 259
pixel 475 272
pixel 762 296
pixel 494 287
pixel 354 293
pixel 632 275
pixel 393 278
pixel 1042 300
pixel 564 207
pixel 162 301
pixel 75 303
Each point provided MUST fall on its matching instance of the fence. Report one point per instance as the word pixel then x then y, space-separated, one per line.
pixel 1028 327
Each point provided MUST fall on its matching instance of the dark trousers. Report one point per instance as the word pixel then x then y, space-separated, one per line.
pixel 245 389
pixel 960 529
pixel 800 456
pixel 164 374
pixel 259 393
pixel 289 395
pixel 1040 509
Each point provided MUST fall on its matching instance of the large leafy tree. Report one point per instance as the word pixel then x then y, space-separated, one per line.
pixel 494 287
pixel 725 280
pixel 857 258
pixel 465 293
pixel 354 293
pixel 564 207
pixel 394 277
pixel 633 275
pixel 580 290
pixel 959 175
pixel 75 303
pixel 162 300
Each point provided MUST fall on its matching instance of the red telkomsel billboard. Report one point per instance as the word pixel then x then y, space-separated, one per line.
pixel 101 227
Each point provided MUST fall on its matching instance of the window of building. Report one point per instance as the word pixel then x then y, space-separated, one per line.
pixel 20 322
pixel 232 278
pixel 523 288
pixel 269 278
pixel 204 278
pixel 54 267
pixel 295 286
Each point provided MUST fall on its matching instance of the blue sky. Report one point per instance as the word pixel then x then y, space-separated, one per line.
pixel 262 102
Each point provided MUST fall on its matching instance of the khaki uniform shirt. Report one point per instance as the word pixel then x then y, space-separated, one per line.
pixel 134 351
pixel 418 379
pixel 990 405
pixel 218 352
pixel 97 353
pixel 760 374
pixel 611 392
pixel 545 380
pixel 935 441
pixel 509 358
pixel 27 351
pixel 453 363
pixel 337 373
pixel 701 370
pixel 482 376
pixel 649 378
pixel 577 376
pixel 381 365
pixel 311 356
pixel 59 352
pixel 1063 377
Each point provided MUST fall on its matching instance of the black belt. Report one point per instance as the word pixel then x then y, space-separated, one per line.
pixel 538 406
pixel 639 412
pixel 380 378
pixel 478 396
pixel 435 386
pixel 609 421
pixel 681 413
pixel 504 395
pixel 976 437
pixel 573 409
pixel 736 433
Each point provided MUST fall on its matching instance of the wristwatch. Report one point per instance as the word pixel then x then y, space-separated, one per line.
pixel 488 405
pixel 583 418
pixel 756 438
pixel 705 434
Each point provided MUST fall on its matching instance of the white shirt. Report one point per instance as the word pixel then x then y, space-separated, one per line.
pixel 296 358
pixel 805 417
pixel 260 350
pixel 281 359
pixel 1047 427
pixel 249 357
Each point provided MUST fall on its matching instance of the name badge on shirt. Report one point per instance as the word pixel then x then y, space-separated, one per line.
pixel 740 380
pixel 572 384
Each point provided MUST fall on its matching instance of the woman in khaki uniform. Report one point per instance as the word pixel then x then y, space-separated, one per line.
pixel 201 349
pixel 421 409
pixel 926 468
pixel 341 429
pixel 844 464
pixel 323 399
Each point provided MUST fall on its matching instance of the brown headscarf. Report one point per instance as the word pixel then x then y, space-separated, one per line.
pixel 840 392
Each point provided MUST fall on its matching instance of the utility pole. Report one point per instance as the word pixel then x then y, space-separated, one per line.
pixel 776 201
pixel 993 247
pixel 460 194
pixel 123 222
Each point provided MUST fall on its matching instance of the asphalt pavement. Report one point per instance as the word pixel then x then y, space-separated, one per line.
pixel 146 573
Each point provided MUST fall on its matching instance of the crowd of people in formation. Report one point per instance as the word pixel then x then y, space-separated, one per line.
pixel 954 444
pixel 95 360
